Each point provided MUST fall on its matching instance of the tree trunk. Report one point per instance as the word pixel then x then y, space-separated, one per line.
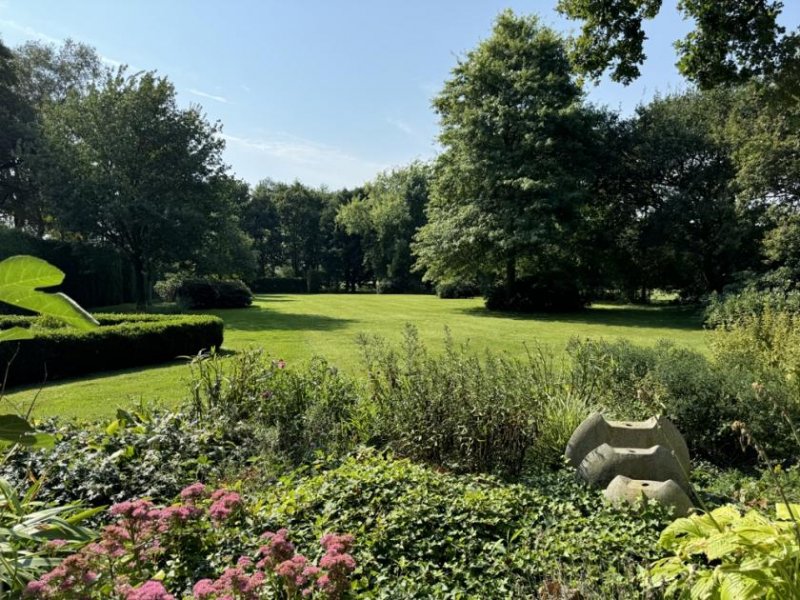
pixel 142 284
pixel 511 274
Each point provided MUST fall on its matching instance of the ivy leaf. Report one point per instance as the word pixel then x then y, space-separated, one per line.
pixel 20 276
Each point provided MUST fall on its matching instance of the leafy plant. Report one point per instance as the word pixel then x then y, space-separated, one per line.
pixel 727 554
pixel 35 537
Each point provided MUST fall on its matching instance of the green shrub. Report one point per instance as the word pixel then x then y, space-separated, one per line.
pixel 280 285
pixel 291 414
pixel 554 292
pixel 140 453
pixel 314 281
pixel 727 310
pixel 469 413
pixel 213 293
pixel 701 398
pixel 122 341
pixel 457 289
pixel 426 534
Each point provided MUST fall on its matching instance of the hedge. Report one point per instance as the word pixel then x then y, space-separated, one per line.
pixel 96 275
pixel 120 342
pixel 280 285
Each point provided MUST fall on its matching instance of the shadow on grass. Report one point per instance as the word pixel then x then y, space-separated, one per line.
pixel 262 319
pixel 616 316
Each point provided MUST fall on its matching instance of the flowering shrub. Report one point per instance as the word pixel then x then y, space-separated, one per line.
pixel 152 553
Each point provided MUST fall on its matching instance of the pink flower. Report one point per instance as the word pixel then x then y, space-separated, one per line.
pixel 204 589
pixel 149 590
pixel 194 492
pixel 225 503
pixel 277 549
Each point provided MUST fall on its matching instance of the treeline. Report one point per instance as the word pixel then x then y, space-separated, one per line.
pixel 538 200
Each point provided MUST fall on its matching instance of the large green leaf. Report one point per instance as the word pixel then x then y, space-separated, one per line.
pixel 16 430
pixel 20 278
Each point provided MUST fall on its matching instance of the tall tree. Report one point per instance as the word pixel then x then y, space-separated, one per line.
pixel 134 169
pixel 386 218
pixel 509 184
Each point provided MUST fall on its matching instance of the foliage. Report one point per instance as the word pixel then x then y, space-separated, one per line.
pixel 137 453
pixel 701 398
pixel 279 285
pixel 290 413
pixel 727 554
pixel 457 289
pixel 731 309
pixel 213 293
pixel 147 550
pixel 467 413
pixel 386 218
pixel 137 171
pixel 732 41
pixel 511 186
pixel 35 537
pixel 121 341
pixel 548 292
pixel 426 534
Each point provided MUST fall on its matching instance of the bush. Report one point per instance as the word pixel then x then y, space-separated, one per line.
pixel 280 285
pixel 727 310
pixel 213 293
pixel 457 289
pixel 122 341
pixel 96 275
pixel 702 397
pixel 422 533
pixel 314 282
pixel 467 413
pixel 139 453
pixel 291 414
pixel 555 292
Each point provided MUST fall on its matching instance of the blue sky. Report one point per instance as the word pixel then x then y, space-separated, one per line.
pixel 324 91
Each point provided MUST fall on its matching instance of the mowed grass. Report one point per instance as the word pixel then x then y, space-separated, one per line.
pixel 298 327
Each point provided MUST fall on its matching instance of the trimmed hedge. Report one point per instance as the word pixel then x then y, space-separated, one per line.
pixel 122 341
pixel 213 293
pixel 280 285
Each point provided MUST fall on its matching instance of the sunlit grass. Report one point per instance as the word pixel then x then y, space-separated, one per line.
pixel 297 327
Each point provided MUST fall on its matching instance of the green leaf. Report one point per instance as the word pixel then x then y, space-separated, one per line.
pixel 782 511
pixel 16 430
pixel 15 333
pixel 20 276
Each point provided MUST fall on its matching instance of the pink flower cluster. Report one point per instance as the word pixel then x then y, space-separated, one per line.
pixel 295 573
pixel 133 548
pixel 224 504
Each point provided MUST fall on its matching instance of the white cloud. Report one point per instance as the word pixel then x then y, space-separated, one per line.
pixel 202 94
pixel 28 31
pixel 285 157
pixel 402 126
pixel 246 88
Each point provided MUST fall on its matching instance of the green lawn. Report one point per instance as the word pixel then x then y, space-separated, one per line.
pixel 297 327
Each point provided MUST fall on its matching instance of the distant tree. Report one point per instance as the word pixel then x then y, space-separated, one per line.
pixel 299 210
pixel 511 181
pixel 261 222
pixel 386 218
pixel 17 117
pixel 134 170
pixel 691 235
pixel 733 40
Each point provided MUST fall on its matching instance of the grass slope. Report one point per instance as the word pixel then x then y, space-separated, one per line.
pixel 297 327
